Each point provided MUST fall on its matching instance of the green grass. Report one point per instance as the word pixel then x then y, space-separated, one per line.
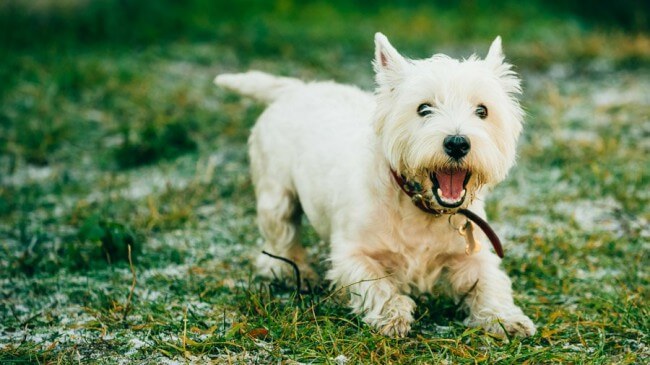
pixel 114 139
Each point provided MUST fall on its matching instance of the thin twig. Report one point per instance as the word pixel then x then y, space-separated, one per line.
pixel 296 270
pixel 127 308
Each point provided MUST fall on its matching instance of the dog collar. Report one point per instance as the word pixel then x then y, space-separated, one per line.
pixel 414 191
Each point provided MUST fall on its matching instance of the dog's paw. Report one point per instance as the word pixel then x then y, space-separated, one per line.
pixel 521 326
pixel 397 327
pixel 396 317
pixel 514 325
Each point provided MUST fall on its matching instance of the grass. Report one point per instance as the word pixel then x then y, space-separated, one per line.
pixel 113 140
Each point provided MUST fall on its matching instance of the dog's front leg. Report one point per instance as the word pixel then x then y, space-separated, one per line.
pixel 372 292
pixel 487 292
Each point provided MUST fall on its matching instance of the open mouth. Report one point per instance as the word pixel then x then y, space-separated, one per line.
pixel 449 186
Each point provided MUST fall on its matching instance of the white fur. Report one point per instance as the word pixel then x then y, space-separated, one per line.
pixel 325 150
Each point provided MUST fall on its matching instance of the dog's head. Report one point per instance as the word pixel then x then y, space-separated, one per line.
pixel 451 125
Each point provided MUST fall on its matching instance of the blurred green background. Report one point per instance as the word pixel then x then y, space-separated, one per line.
pixel 285 27
pixel 29 23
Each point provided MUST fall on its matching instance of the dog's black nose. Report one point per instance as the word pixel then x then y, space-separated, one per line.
pixel 456 146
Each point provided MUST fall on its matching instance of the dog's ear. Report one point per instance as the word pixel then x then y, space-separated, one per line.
pixel 388 62
pixel 496 60
pixel 495 54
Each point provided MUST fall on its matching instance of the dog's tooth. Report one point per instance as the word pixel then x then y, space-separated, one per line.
pixel 451 200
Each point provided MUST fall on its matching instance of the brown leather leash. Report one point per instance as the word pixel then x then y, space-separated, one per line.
pixel 413 190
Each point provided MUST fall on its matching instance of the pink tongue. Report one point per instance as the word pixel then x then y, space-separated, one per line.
pixel 451 183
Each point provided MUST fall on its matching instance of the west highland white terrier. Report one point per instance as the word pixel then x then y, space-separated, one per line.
pixel 383 177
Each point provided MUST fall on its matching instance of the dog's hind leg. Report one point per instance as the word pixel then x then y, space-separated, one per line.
pixel 278 216
pixel 279 212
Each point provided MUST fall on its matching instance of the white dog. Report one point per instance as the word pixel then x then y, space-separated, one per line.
pixel 442 128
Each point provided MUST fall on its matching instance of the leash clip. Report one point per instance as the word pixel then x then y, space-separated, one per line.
pixel 472 245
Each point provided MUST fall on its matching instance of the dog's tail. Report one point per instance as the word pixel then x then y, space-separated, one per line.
pixel 258 85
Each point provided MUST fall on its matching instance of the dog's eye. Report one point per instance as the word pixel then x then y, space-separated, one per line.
pixel 481 111
pixel 424 109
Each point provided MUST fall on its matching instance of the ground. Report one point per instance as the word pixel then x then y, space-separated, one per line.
pixel 127 217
